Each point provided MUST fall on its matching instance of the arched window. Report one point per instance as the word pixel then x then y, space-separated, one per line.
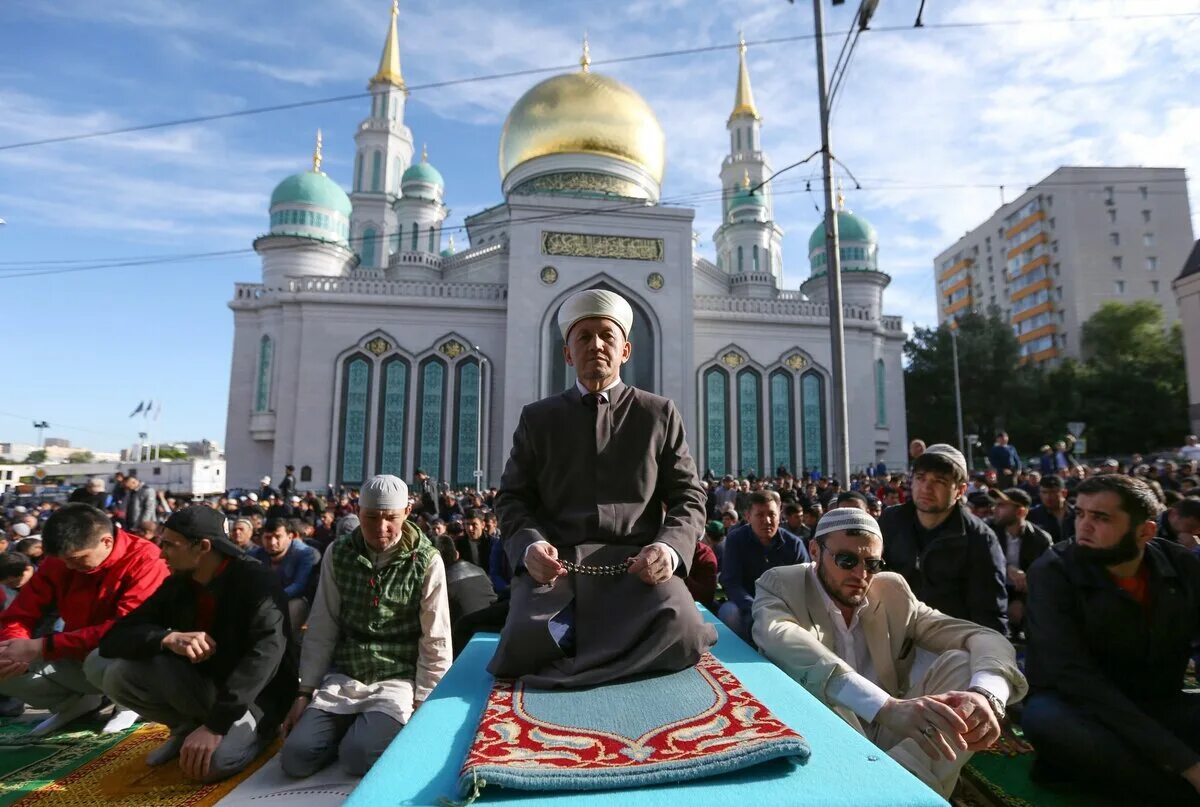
pixel 782 413
pixel 880 394
pixel 358 169
pixel 467 423
pixel 356 393
pixel 812 404
pixel 396 239
pixel 755 255
pixel 432 241
pixel 749 403
pixel 414 237
pixel 767 260
pixel 367 251
pixel 393 416
pixel 306 473
pixel 431 402
pixel 376 171
pixel 262 395
pixel 741 265
pixel 716 421
pixel 738 135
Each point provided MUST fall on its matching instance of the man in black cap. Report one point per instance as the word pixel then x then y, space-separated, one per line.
pixel 1021 543
pixel 208 654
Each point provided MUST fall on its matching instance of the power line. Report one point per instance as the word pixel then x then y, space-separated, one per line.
pixel 240 113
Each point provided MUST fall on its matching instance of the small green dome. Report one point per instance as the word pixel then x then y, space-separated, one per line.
pixel 423 172
pixel 744 198
pixel 448 253
pixel 850 228
pixel 314 189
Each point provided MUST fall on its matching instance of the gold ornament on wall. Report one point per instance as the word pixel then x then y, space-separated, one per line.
pixel 796 361
pixel 379 346
pixel 733 359
pixel 453 348
pixel 655 281
pixel 549 275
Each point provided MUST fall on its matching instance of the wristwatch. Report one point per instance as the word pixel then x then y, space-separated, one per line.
pixel 996 704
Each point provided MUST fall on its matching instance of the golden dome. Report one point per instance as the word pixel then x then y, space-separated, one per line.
pixel 583 113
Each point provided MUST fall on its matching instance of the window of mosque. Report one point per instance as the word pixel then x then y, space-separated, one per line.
pixel 755 256
pixel 430 403
pixel 306 473
pixel 367 251
pixel 467 423
pixel 396 239
pixel 376 171
pixel 716 421
pixel 414 237
pixel 740 264
pixel 738 136
pixel 262 397
pixel 782 405
pixel 812 406
pixel 767 261
pixel 432 243
pixel 880 394
pixel 356 392
pixel 358 169
pixel 393 416
pixel 749 415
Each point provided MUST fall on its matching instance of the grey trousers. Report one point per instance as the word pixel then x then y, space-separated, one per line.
pixel 50 684
pixel 167 689
pixel 319 736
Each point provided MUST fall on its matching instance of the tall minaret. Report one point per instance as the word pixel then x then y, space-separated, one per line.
pixel 383 150
pixel 745 139
pixel 748 242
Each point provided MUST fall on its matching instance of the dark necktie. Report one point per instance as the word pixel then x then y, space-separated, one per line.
pixel 597 402
pixel 594 400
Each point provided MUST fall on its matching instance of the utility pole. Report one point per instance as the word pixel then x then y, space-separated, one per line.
pixel 833 258
pixel 957 388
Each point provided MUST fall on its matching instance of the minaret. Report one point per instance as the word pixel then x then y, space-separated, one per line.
pixel 383 150
pixel 748 242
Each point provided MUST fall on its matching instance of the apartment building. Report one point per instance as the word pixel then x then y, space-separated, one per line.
pixel 1080 237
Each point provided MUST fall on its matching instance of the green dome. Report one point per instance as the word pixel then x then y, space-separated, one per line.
pixel 314 189
pixel 850 228
pixel 744 198
pixel 423 172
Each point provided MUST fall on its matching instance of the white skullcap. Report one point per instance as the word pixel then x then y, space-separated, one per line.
pixel 595 303
pixel 847 518
pixel 252 497
pixel 266 480
pixel 383 492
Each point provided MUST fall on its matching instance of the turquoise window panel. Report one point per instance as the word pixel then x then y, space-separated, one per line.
pixel 393 417
pixel 414 236
pixel 429 422
pixel 812 396
pixel 467 420
pixel 356 392
pixel 432 245
pixel 358 171
pixel 262 395
pixel 755 253
pixel 376 171
pixel 880 394
pixel 367 252
pixel 716 421
pixel 749 405
pixel 781 419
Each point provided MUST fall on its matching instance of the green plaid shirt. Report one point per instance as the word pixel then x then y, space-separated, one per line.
pixel 380 620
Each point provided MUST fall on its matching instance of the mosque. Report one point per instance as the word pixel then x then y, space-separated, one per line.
pixel 372 346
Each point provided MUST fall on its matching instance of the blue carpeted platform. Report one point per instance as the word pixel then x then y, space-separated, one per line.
pixel 422 764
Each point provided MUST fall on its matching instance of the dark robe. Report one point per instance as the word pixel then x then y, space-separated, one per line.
pixel 600 483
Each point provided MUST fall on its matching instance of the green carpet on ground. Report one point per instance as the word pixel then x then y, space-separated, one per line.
pixel 26 765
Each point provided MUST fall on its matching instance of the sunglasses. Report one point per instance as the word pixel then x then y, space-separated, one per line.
pixel 848 561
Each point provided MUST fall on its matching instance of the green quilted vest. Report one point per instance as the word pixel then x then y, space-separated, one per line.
pixel 379 619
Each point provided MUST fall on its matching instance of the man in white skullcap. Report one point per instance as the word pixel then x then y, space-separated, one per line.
pixel 600 508
pixel 378 638
pixel 849 632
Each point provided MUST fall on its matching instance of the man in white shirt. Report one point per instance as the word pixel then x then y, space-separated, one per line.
pixel 1191 451
pixel 849 633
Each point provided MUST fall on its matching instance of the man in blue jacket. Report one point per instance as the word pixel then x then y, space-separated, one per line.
pixel 1005 459
pixel 293 562
pixel 749 551
pixel 951 559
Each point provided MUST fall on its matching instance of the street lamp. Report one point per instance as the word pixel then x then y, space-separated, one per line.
pixel 41 427
pixel 479 423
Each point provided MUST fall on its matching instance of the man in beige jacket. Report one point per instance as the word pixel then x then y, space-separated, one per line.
pixel 849 633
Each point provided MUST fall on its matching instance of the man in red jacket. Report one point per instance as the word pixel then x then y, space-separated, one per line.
pixel 93 573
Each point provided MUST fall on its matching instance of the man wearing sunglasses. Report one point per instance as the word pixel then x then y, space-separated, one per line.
pixel 849 631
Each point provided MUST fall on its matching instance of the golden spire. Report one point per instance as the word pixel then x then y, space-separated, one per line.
pixel 746 179
pixel 424 152
pixel 389 62
pixel 841 196
pixel 585 61
pixel 452 242
pixel 317 155
pixel 743 99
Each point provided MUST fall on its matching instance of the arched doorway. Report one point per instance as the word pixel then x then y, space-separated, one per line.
pixel 638 372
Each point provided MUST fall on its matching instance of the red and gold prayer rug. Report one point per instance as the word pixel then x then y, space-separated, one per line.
pixel 119 777
pixel 687 725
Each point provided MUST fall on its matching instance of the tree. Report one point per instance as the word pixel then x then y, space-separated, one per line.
pixel 166 452
pixel 36 457
pixel 81 456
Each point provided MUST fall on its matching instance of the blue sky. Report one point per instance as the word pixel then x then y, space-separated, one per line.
pixel 920 110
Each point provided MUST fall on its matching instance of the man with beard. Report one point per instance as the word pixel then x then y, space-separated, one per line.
pixel 293 562
pixel 949 557
pixel 1054 515
pixel 600 479
pixel 849 632
pixel 1111 619
pixel 1022 544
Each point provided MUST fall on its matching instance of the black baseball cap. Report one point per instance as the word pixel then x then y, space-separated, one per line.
pixel 198 522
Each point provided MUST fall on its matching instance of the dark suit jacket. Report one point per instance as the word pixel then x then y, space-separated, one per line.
pixel 623 476
pixel 1034 542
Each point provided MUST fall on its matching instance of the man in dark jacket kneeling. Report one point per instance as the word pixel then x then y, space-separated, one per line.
pixel 208 654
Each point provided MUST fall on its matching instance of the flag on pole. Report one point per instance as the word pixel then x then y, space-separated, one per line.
pixel 149 406
pixel 158 411
pixel 141 405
